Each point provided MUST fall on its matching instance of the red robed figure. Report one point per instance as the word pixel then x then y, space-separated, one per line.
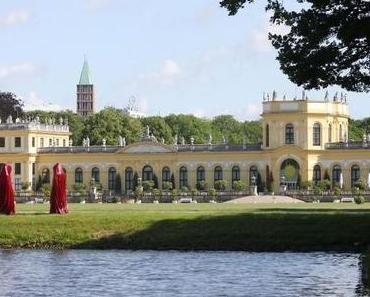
pixel 58 196
pixel 7 202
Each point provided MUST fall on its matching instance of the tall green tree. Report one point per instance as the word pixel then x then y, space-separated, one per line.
pixel 158 127
pixel 327 41
pixel 10 105
pixel 109 123
pixel 188 126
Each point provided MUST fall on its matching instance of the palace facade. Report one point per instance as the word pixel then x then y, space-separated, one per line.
pixel 302 139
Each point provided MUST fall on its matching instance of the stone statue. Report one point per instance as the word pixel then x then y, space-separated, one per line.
pixel 123 141
pixel 326 96
pixel 87 141
pixel 120 140
pixel 183 140
pixel 335 97
pixel 147 134
pixel 70 142
pixel 192 140
pixel 274 95
pixel 84 142
pixel 223 139
pixel 60 121
pixel 104 142
pixel 9 120
pixel 162 140
pixel 364 138
pixel 175 140
pixel 66 121
pixel 38 120
pixel 210 139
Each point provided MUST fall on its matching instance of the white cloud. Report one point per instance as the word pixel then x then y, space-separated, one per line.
pixel 34 102
pixel 14 18
pixel 16 70
pixel 168 74
pixel 253 111
pixel 259 40
pixel 96 4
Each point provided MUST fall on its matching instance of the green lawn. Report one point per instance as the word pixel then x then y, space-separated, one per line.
pixel 253 227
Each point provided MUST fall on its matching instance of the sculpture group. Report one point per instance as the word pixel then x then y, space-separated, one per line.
pixel 58 196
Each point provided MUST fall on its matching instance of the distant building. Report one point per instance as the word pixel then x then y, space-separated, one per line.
pixel 303 140
pixel 85 92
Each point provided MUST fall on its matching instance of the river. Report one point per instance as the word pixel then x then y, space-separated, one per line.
pixel 170 273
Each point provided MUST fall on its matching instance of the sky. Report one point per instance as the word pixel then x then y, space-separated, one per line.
pixel 172 56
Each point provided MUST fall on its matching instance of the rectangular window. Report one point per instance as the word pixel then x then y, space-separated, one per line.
pixel 57 142
pixel 17 168
pixel 17 183
pixel 42 142
pixel 2 141
pixel 17 142
pixel 64 142
pixel 33 141
pixel 50 142
pixel 33 168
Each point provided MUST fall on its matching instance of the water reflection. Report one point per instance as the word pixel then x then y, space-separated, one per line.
pixel 150 273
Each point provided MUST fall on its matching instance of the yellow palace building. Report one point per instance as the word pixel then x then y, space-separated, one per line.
pixel 302 139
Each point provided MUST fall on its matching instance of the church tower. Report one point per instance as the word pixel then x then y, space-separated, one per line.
pixel 85 92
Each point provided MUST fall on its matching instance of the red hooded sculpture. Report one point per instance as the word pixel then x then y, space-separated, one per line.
pixel 7 202
pixel 58 196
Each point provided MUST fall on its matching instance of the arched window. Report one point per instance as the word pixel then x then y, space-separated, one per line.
pixel 316 134
pixel 316 177
pixel 253 174
pixel 337 170
pixel 201 174
pixel 329 133
pixel 79 176
pixel 129 179
pixel 95 174
pixel 340 132
pixel 45 176
pixel 267 133
pixel 112 173
pixel 166 174
pixel 183 177
pixel 218 174
pixel 355 175
pixel 289 134
pixel 147 173
pixel 235 174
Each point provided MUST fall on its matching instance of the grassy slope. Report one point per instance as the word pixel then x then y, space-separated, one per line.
pixel 254 227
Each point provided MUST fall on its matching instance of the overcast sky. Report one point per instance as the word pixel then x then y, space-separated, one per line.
pixel 174 56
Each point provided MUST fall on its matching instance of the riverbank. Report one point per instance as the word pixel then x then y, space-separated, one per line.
pixel 249 227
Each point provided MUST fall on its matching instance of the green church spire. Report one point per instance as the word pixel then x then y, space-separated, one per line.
pixel 85 78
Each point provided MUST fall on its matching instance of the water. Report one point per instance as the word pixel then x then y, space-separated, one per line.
pixel 152 273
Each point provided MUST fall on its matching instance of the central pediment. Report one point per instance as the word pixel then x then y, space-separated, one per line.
pixel 147 148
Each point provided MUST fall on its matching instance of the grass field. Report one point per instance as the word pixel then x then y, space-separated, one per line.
pixel 252 227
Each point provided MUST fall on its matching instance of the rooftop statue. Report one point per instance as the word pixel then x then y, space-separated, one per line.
pixel 183 140
pixel 210 139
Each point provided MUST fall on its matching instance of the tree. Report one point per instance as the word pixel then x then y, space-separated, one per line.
pixel 10 105
pixel 136 180
pixel 155 181
pixel 118 184
pixel 109 123
pixel 173 181
pixel 327 42
pixel 159 128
